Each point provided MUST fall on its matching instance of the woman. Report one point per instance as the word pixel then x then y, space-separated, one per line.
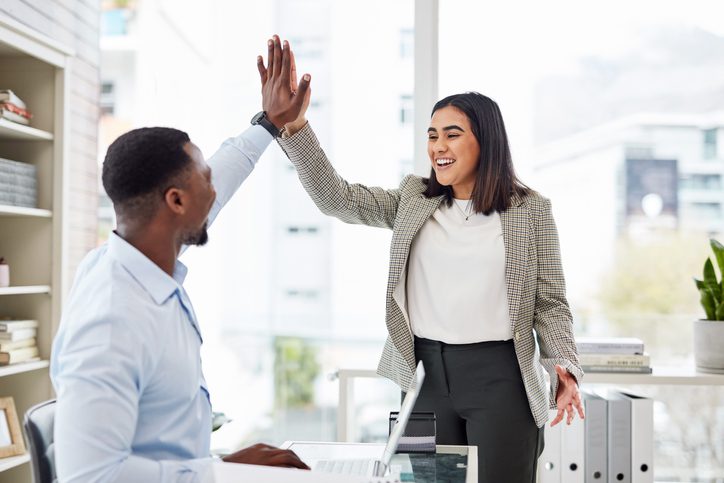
pixel 475 280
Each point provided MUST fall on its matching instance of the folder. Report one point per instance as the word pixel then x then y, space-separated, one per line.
pixel 572 451
pixel 595 430
pixel 549 462
pixel 619 437
pixel 642 438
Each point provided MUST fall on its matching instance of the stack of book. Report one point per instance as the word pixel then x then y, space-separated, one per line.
pixel 13 108
pixel 18 184
pixel 18 341
pixel 613 354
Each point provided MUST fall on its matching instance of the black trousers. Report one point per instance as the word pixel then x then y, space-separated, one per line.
pixel 477 394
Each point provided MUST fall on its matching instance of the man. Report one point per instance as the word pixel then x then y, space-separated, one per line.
pixel 132 399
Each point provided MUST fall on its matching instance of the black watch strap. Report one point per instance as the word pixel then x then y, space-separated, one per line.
pixel 261 119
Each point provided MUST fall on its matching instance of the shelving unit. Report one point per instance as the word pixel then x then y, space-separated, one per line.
pixel 37 69
pixel 661 376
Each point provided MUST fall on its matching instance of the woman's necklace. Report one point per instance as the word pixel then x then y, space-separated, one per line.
pixel 468 212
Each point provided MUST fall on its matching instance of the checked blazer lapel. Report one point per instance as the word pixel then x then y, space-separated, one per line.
pixel 515 238
pixel 416 213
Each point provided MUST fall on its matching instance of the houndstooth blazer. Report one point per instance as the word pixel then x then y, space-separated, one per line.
pixel 533 272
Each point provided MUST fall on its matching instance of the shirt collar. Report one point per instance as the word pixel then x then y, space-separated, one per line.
pixel 149 275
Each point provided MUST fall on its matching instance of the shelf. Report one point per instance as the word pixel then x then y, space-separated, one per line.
pixel 19 211
pixel 23 290
pixel 23 367
pixel 13 130
pixel 13 461
pixel 664 376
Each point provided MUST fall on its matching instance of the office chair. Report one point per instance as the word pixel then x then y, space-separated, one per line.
pixel 38 424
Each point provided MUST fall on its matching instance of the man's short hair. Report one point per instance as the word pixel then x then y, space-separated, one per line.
pixel 140 165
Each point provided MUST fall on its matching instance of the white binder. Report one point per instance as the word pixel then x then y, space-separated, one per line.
pixel 595 435
pixel 642 438
pixel 572 451
pixel 619 437
pixel 549 463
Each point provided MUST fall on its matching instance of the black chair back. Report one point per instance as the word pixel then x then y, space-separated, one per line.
pixel 38 424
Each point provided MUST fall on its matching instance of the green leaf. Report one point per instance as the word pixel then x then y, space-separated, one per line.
pixel 720 312
pixel 699 284
pixel 718 249
pixel 709 275
pixel 707 301
pixel 710 280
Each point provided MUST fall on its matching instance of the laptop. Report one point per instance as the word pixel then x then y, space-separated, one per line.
pixel 375 467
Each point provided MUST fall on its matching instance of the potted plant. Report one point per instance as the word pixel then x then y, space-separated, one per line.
pixel 709 333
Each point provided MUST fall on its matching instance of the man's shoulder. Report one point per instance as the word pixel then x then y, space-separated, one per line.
pixel 105 291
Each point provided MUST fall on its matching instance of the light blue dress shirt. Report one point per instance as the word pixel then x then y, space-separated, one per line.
pixel 132 400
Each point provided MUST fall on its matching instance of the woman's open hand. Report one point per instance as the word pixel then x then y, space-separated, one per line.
pixel 567 397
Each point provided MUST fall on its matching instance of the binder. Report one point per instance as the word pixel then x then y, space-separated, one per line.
pixel 572 451
pixel 619 437
pixel 549 462
pixel 595 430
pixel 642 438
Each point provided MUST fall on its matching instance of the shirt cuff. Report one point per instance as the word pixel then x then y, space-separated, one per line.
pixel 256 135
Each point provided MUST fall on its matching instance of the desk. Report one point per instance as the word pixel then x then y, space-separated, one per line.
pixel 448 463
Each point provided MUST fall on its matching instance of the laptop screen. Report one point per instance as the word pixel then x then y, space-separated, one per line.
pixel 404 415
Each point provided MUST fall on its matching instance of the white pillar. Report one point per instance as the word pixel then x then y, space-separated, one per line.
pixel 426 66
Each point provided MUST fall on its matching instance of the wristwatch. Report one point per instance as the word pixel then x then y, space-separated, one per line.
pixel 261 119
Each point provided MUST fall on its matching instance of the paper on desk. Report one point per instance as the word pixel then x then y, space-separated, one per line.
pixel 237 473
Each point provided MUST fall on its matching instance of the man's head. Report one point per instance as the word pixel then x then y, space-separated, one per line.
pixel 157 175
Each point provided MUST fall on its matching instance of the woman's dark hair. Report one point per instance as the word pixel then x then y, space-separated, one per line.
pixel 495 182
pixel 140 165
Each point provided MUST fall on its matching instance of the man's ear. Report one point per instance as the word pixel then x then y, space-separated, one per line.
pixel 176 200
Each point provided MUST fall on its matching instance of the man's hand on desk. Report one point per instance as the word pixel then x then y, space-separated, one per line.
pixel 263 454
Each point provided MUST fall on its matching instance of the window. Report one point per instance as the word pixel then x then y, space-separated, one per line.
pixel 705 182
pixel 302 230
pixel 107 98
pixel 710 143
pixel 407 44
pixel 406 109
pixel 578 104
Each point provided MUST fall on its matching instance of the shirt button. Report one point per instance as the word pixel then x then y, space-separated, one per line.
pixel 517 335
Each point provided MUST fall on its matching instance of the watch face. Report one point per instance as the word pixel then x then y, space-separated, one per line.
pixel 257 117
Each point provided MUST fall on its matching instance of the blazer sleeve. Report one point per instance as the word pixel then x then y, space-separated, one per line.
pixel 351 203
pixel 552 318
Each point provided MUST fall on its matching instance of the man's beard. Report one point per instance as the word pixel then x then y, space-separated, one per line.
pixel 198 238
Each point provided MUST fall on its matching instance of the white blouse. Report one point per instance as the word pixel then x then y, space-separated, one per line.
pixel 456 291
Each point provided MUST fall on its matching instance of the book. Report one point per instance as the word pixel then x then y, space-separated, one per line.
pixel 609 345
pixel 6 95
pixel 626 369
pixel 18 335
pixel 6 346
pixel 17 110
pixel 12 116
pixel 636 360
pixel 18 355
pixel 13 325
